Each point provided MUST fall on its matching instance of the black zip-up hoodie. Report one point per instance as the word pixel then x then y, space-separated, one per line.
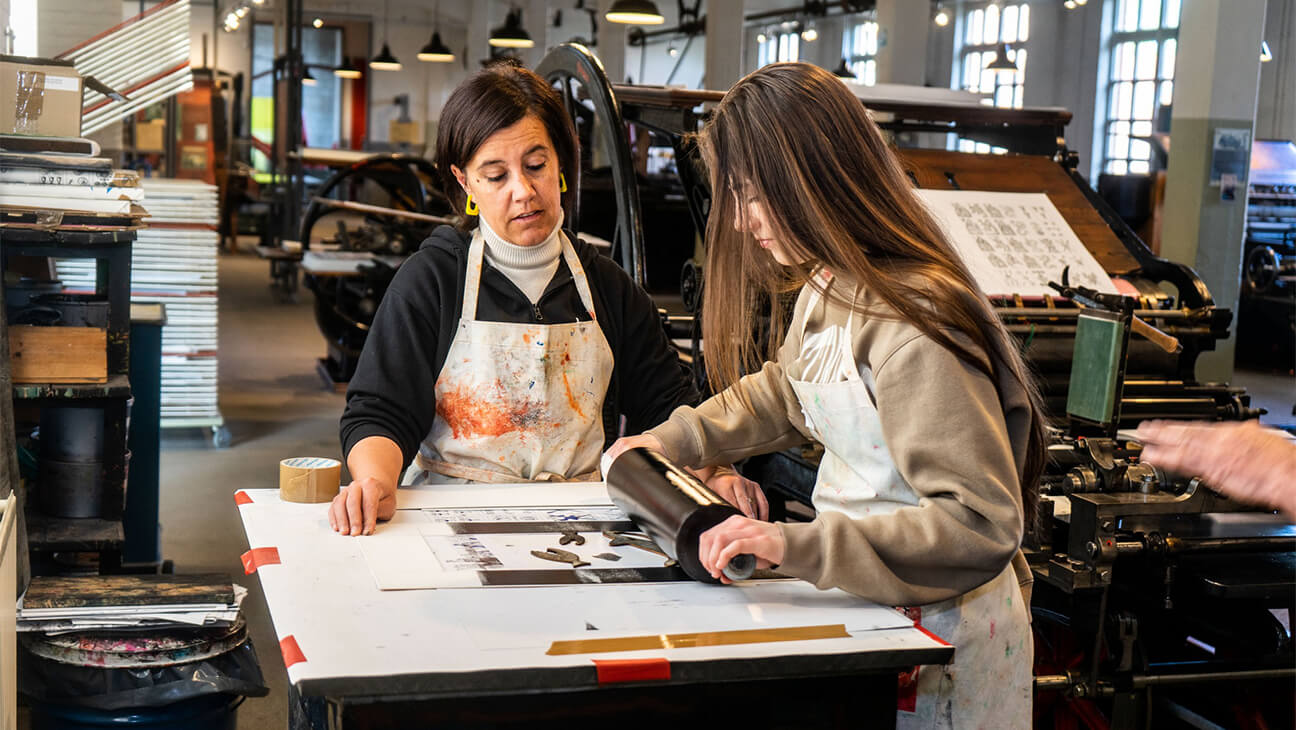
pixel 393 393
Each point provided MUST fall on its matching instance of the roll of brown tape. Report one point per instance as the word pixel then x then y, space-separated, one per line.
pixel 309 479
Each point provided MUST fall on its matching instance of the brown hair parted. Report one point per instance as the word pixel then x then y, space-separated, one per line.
pixel 498 96
pixel 793 137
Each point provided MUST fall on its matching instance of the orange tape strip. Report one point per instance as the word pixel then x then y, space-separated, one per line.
pixel 291 652
pixel 257 557
pixel 705 638
pixel 632 670
pixel 241 498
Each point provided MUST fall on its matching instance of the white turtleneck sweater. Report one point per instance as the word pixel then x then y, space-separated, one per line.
pixel 531 268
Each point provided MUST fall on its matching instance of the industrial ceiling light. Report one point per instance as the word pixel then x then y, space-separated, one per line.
pixel 1070 4
pixel 810 34
pixel 942 17
pixel 307 79
pixel 511 34
pixel 761 38
pixel 347 70
pixel 385 61
pixel 843 71
pixel 318 22
pixel 672 51
pixel 635 12
pixel 1001 62
pixel 1266 55
pixel 435 51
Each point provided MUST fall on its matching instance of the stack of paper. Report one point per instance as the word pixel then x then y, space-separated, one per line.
pixel 93 603
pixel 174 262
pixel 66 192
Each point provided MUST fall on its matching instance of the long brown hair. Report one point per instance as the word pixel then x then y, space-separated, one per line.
pixel 498 96
pixel 792 136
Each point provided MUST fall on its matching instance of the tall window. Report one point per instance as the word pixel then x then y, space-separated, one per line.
pixel 859 48
pixel 1140 79
pixel 321 102
pixel 984 28
pixel 778 47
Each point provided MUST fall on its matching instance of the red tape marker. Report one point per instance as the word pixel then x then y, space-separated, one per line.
pixel 241 498
pixel 921 628
pixel 291 652
pixel 257 557
pixel 632 670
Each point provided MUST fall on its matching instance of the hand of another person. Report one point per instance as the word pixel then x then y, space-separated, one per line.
pixel 739 491
pixel 625 443
pixel 358 507
pixel 1244 460
pixel 738 535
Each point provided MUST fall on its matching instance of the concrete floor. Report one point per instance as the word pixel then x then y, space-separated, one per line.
pixel 275 407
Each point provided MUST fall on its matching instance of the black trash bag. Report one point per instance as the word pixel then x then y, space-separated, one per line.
pixel 235 672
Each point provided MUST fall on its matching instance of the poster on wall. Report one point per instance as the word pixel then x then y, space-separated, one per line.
pixel 1230 154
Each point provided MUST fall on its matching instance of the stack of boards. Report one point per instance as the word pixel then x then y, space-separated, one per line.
pixel 174 263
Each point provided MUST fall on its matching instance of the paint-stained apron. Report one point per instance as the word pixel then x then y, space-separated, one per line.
pixel 988 684
pixel 518 402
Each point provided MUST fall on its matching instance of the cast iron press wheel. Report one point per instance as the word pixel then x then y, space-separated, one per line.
pixel 1261 268
pixel 579 79
pixel 345 305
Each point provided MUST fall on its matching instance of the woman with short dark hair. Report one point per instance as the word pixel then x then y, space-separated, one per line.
pixel 505 350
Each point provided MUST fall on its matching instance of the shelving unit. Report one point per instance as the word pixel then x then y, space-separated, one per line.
pixel 109 254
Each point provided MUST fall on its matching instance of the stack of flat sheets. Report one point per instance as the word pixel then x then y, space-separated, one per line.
pixel 174 262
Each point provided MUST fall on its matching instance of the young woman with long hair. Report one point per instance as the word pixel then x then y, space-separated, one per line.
pixel 932 430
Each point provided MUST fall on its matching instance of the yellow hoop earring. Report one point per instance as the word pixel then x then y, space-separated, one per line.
pixel 470 208
pixel 562 183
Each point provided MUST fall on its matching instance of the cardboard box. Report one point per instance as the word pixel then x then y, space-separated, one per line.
pixel 149 136
pixel 399 132
pixel 39 97
pixel 58 354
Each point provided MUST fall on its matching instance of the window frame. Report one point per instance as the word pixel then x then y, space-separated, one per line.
pixel 1016 49
pixel 1126 132
pixel 774 43
pixel 862 65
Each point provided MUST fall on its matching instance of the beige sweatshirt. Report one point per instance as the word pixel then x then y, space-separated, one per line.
pixel 953 441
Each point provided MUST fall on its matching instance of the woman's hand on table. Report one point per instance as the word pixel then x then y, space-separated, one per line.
pixel 359 505
pixel 738 535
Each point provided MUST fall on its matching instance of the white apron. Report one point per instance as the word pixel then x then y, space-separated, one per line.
pixel 516 401
pixel 989 682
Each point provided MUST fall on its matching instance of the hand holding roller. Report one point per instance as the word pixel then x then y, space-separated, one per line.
pixel 673 507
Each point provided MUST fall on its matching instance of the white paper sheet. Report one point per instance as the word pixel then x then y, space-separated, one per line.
pixel 1014 243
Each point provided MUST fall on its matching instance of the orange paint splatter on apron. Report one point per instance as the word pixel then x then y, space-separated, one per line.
pixel 469 416
pixel 571 399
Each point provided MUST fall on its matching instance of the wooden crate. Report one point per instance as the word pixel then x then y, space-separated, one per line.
pixel 58 354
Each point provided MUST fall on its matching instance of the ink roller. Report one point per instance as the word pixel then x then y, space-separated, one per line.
pixel 673 507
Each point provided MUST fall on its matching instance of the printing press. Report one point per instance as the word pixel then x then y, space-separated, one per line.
pixel 1157 602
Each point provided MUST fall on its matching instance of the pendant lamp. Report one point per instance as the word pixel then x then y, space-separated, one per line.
pixel 511 34
pixel 1001 62
pixel 435 51
pixel 635 12
pixel 385 61
pixel 347 70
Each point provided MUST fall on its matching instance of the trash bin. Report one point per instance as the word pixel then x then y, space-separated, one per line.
pixel 188 678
